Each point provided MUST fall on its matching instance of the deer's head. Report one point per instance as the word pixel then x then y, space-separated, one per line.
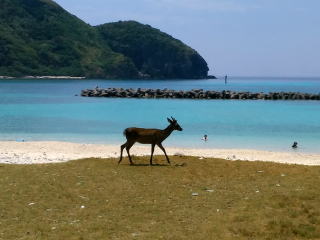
pixel 173 122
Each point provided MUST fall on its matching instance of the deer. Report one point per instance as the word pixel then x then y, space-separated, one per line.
pixel 148 136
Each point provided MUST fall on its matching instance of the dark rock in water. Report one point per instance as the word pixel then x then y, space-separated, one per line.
pixel 211 77
pixel 195 94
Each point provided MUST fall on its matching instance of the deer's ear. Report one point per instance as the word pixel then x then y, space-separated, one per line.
pixel 169 120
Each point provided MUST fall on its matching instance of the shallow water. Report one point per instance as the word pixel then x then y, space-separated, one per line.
pixel 49 110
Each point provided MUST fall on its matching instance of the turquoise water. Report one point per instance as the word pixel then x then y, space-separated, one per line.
pixel 49 110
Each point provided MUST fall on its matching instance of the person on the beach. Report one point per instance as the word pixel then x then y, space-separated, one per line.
pixel 205 138
pixel 295 145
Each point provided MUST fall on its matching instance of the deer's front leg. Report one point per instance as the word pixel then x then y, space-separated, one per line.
pixel 162 148
pixel 152 150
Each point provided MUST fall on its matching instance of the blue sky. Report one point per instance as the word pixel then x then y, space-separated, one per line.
pixel 236 37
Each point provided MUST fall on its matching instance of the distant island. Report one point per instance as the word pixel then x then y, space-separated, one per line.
pixel 40 38
pixel 42 77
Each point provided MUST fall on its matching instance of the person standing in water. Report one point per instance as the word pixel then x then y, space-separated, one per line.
pixel 226 79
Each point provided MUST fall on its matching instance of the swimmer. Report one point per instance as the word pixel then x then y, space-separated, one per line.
pixel 295 145
pixel 205 138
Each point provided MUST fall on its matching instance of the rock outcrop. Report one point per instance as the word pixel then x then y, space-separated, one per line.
pixel 195 94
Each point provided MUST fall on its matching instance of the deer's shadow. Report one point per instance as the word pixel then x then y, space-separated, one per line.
pixel 148 165
pixel 157 165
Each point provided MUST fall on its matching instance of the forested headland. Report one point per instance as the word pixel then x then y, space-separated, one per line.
pixel 40 38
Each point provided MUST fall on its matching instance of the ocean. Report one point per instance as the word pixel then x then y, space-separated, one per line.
pixel 49 110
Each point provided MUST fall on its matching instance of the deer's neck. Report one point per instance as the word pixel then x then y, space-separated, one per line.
pixel 167 131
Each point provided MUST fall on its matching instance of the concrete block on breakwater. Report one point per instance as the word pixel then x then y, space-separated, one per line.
pixel 195 94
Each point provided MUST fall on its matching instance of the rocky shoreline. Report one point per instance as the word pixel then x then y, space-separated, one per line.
pixel 195 94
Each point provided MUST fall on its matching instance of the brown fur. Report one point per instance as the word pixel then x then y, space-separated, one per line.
pixel 148 136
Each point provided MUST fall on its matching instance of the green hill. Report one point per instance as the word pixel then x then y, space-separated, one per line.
pixel 38 37
pixel 153 52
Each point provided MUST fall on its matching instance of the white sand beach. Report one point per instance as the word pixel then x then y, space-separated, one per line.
pixel 55 152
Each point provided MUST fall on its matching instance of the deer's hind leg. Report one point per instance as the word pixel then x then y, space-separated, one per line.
pixel 128 146
pixel 121 151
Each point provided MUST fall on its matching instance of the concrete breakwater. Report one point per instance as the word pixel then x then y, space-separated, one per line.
pixel 195 94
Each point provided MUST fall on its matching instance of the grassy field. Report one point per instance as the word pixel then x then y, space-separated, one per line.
pixel 97 199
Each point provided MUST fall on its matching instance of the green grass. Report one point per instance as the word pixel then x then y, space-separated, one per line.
pixel 251 200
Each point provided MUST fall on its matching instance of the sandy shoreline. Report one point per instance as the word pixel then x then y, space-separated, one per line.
pixel 55 152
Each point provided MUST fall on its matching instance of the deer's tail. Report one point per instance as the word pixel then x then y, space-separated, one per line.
pixel 125 132
pixel 129 133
